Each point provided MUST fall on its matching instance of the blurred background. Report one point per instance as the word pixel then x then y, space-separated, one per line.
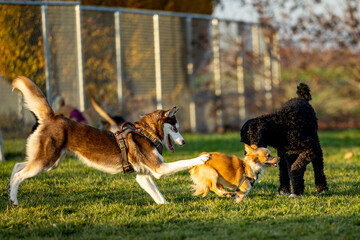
pixel 222 62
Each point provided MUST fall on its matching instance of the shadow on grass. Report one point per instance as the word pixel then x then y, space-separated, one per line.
pixel 14 155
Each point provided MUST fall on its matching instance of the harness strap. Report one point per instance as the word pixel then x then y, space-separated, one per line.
pixel 125 129
pixel 121 141
pixel 141 131
pixel 245 177
pixel 153 139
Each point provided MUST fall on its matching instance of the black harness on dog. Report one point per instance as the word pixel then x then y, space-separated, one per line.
pixel 125 129
pixel 245 177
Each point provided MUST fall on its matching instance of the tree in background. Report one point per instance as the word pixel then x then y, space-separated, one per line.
pixel 319 45
pixel 188 6
pixel 21 43
pixel 21 46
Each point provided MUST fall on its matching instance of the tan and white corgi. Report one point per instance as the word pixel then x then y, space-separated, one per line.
pixel 97 148
pixel 231 172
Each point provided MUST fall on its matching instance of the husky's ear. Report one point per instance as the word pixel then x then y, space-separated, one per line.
pixel 171 112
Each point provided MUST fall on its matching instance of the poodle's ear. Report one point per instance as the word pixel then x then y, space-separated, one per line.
pixel 248 149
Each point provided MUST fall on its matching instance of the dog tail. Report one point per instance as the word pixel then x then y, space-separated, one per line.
pixel 113 125
pixel 35 100
pixel 303 91
pixel 200 186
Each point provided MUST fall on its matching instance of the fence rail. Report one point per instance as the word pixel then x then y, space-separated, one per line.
pixel 219 72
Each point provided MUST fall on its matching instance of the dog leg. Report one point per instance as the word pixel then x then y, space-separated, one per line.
pixel 302 161
pixel 222 191
pixel 284 188
pixel 297 182
pixel 147 183
pixel 317 161
pixel 219 190
pixel 18 167
pixel 29 171
pixel 58 161
pixel 166 169
pixel 243 190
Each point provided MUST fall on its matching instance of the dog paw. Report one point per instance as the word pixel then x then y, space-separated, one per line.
pixel 321 189
pixel 239 198
pixel 14 203
pixel 293 195
pixel 231 194
pixel 204 158
pixel 283 193
pixel 163 201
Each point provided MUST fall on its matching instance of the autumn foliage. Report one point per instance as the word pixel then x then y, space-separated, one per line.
pixel 21 46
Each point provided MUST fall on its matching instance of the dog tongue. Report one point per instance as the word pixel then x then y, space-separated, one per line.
pixel 170 144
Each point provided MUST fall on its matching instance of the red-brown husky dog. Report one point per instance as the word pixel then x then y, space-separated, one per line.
pixel 97 148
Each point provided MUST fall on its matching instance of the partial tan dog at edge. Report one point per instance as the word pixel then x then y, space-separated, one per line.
pixel 231 172
pixel 97 148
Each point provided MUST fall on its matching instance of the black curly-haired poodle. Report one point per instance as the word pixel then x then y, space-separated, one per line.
pixel 292 131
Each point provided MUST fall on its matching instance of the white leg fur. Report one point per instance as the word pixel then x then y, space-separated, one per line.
pixel 166 169
pixel 19 177
pixel 18 167
pixel 147 183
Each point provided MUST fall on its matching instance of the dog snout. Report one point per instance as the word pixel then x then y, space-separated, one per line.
pixel 274 159
pixel 180 141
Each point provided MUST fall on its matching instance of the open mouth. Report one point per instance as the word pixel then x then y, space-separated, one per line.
pixel 271 164
pixel 170 144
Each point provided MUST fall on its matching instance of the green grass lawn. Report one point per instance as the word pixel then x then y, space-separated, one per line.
pixel 77 202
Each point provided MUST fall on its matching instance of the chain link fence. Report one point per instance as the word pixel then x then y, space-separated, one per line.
pixel 218 72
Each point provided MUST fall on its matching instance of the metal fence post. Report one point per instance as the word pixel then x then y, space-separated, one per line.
pixel 256 54
pixel 275 66
pixel 240 76
pixel 267 73
pixel 45 34
pixel 119 66
pixel 190 72
pixel 158 77
pixel 80 57
pixel 217 74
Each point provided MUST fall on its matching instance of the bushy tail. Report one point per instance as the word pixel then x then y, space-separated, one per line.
pixel 200 186
pixel 35 100
pixel 303 91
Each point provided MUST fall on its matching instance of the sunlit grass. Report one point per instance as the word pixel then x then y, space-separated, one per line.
pixel 77 202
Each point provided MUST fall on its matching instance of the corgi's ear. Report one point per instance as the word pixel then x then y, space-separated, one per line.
pixel 254 147
pixel 171 112
pixel 248 149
